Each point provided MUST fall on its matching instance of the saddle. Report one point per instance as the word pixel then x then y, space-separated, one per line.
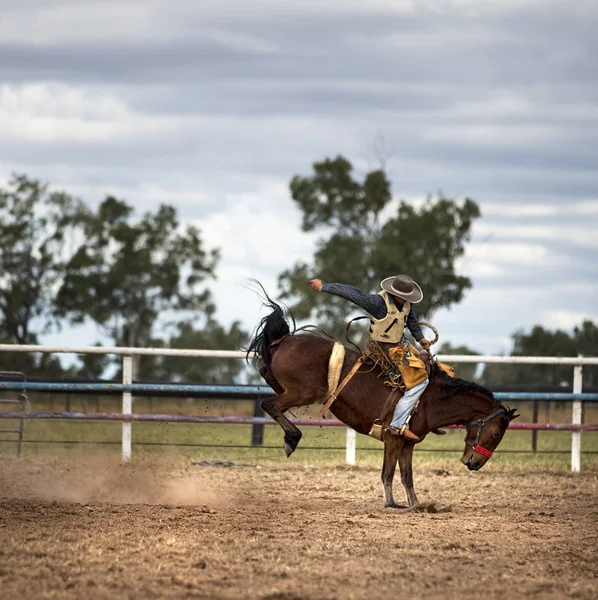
pixel 410 361
pixel 385 417
pixel 413 366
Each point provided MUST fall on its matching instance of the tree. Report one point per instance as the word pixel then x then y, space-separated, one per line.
pixel 543 342
pixel 37 227
pixel 90 366
pixel 213 336
pixel 128 273
pixel 366 239
pixel 463 370
pixel 585 337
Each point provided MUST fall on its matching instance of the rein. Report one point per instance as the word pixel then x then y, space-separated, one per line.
pixel 347 327
pixel 480 424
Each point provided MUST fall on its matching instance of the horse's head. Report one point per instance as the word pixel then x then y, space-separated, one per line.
pixel 484 435
pixel 467 403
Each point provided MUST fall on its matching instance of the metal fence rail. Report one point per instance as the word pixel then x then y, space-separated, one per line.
pixel 153 418
pixel 126 351
pixel 248 392
pixel 127 386
pixel 278 447
pixel 20 401
pixel 350 445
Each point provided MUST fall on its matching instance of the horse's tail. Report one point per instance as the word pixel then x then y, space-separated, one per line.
pixel 271 328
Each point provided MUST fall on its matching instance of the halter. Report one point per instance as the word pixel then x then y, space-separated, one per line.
pixel 480 424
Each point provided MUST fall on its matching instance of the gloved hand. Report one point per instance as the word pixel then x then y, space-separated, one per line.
pixel 424 356
pixel 425 344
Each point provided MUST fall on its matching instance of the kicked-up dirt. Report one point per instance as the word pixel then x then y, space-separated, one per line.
pixel 94 530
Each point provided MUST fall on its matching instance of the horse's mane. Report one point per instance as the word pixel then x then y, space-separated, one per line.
pixel 454 385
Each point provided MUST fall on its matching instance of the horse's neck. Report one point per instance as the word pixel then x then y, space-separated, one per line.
pixel 459 409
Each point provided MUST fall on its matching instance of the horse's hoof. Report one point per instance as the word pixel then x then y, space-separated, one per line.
pixel 288 449
pixel 393 505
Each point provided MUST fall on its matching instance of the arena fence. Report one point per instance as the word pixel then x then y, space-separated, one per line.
pixel 128 388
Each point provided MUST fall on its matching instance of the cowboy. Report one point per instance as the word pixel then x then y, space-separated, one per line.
pixel 390 312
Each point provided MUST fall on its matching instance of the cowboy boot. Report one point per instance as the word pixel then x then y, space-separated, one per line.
pixel 406 433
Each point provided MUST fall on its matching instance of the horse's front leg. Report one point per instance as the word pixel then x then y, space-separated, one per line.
pixel 275 407
pixel 392 450
pixel 405 464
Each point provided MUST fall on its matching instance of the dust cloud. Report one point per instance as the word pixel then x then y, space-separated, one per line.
pixel 105 480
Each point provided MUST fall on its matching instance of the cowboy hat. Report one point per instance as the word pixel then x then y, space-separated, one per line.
pixel 404 287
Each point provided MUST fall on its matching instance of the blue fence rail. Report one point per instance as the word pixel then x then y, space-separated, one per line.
pixel 249 392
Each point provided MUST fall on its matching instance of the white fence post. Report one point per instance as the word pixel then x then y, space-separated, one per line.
pixel 127 408
pixel 576 420
pixel 351 443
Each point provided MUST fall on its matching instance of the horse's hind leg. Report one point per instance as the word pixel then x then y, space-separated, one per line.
pixel 292 436
pixel 275 407
pixel 405 464
pixel 271 380
pixel 392 450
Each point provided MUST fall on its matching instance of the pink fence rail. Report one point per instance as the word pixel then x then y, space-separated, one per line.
pixel 251 420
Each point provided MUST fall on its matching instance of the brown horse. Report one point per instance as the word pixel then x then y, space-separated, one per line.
pixel 296 367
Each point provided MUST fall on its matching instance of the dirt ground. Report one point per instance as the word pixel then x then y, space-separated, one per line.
pixel 94 529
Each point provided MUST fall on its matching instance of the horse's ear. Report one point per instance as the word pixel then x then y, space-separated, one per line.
pixel 511 414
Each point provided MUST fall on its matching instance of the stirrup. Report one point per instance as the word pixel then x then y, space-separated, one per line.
pixel 377 430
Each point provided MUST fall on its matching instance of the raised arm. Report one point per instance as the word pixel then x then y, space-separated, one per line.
pixel 373 304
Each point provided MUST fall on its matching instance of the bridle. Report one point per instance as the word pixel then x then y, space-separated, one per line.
pixel 480 424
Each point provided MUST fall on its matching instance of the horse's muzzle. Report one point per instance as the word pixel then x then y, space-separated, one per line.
pixel 473 466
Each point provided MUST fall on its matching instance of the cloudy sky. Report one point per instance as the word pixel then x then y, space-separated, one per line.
pixel 213 106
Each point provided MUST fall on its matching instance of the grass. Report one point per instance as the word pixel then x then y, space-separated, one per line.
pixel 308 452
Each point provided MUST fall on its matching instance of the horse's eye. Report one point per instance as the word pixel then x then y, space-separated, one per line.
pixel 497 434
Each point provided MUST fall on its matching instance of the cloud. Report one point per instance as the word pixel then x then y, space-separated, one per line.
pixel 565 319
pixel 329 41
pixel 260 236
pixel 215 108
pixel 488 316
pixel 510 253
pixel 537 211
pixel 575 235
pixel 49 113
pixel 480 269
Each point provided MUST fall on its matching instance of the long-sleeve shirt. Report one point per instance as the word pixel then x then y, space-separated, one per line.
pixel 373 304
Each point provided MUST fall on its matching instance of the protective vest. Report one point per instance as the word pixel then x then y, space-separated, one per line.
pixel 390 328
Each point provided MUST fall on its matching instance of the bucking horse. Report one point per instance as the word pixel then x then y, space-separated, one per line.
pixel 295 364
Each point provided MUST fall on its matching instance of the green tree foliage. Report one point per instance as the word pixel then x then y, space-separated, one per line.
pixel 90 366
pixel 37 227
pixel 463 370
pixel 213 336
pixel 128 273
pixel 365 239
pixel 543 342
